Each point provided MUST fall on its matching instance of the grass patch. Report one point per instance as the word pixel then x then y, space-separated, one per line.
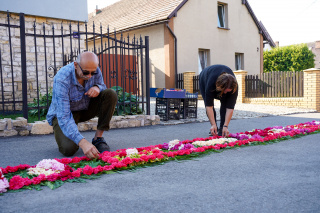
pixel 31 119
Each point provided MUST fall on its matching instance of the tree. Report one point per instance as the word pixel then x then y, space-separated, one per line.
pixel 288 58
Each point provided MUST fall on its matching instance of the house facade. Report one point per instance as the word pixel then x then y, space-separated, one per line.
pixel 315 48
pixel 189 35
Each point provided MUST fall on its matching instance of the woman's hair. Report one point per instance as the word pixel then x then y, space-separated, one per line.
pixel 226 81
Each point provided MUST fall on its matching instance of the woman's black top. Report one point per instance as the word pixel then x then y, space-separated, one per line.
pixel 207 81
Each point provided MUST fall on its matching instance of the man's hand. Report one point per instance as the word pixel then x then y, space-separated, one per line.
pixel 88 149
pixel 93 92
pixel 214 130
pixel 225 132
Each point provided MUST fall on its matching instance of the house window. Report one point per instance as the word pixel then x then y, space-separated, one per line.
pixel 222 15
pixel 239 61
pixel 203 59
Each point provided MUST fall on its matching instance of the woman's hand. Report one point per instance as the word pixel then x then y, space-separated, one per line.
pixel 214 130
pixel 225 131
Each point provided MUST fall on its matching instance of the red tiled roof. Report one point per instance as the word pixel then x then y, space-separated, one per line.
pixel 131 13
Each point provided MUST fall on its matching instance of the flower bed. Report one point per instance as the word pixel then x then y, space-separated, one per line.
pixel 54 172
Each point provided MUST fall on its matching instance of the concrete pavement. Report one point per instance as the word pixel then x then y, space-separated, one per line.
pixel 282 177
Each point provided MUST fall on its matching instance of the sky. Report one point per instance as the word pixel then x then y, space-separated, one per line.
pixel 287 21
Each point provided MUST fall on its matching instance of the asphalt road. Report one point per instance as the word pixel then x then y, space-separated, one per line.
pixel 282 177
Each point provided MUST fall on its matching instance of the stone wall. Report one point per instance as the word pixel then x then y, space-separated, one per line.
pixel 47 53
pixel 20 126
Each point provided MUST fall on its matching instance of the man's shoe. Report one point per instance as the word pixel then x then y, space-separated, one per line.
pixel 100 144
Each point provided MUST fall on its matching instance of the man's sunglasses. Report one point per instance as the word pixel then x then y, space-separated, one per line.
pixel 87 72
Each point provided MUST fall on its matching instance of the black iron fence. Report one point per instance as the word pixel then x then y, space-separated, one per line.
pixel 274 84
pixel 180 83
pixel 33 55
pixel 196 87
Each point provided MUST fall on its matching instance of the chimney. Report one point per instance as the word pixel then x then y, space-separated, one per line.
pixel 317 46
pixel 98 10
pixel 277 43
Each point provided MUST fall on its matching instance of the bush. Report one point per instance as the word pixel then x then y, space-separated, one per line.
pixel 42 103
pixel 289 58
pixel 124 100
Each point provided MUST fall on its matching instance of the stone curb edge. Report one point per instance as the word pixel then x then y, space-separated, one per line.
pixel 20 125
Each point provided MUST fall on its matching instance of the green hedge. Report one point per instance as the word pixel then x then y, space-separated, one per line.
pixel 288 58
pixel 127 103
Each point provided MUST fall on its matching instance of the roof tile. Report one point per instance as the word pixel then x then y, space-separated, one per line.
pixel 131 13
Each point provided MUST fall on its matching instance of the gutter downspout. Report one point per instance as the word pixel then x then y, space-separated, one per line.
pixel 175 56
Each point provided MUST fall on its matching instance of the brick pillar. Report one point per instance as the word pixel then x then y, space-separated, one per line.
pixel 188 81
pixel 311 93
pixel 240 75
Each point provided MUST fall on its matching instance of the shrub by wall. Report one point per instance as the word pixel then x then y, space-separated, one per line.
pixel 288 58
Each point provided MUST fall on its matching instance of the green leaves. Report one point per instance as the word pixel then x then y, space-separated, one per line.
pixel 93 163
pixel 43 101
pixel 127 103
pixel 289 58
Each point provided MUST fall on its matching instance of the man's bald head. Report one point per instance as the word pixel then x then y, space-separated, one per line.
pixel 88 62
pixel 88 57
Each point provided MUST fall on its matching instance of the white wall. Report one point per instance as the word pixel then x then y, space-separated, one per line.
pixel 196 28
pixel 156 53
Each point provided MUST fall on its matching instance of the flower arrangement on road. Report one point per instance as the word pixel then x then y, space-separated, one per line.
pixel 4 184
pixel 54 172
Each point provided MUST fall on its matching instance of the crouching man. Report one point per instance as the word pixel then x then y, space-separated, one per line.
pixel 79 94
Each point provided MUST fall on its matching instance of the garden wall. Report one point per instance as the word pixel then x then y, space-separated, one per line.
pixel 20 126
pixel 310 99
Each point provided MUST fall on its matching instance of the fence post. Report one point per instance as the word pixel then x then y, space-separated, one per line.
pixel 311 87
pixel 188 81
pixel 240 76
pixel 147 74
pixel 23 66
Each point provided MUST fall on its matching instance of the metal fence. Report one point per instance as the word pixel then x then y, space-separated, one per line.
pixel 28 74
pixel 196 87
pixel 274 84
pixel 180 82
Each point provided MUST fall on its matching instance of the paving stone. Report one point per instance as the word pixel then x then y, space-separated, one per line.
pixel 9 123
pixel 19 122
pixel 41 128
pixel 132 123
pixel 122 124
pixel 3 124
pixel 24 132
pixel 11 132
pixel 83 127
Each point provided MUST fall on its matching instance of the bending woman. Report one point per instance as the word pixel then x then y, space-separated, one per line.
pixel 219 82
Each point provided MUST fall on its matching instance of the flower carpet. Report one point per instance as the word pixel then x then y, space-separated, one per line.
pixel 54 172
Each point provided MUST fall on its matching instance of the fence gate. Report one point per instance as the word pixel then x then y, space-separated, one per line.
pixel 34 52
